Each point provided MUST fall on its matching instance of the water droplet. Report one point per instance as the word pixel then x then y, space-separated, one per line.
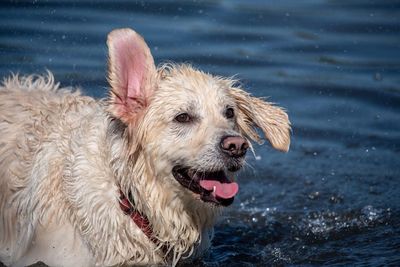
pixel 313 195
pixel 378 76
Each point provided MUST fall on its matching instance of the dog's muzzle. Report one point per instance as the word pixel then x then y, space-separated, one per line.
pixel 215 186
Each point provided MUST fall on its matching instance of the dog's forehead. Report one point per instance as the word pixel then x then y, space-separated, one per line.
pixel 189 86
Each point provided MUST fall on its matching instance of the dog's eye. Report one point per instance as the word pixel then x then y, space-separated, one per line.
pixel 229 113
pixel 183 118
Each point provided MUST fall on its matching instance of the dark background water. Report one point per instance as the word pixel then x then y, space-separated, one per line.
pixel 334 199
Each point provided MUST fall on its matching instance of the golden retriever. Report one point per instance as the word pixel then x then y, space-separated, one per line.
pixel 137 178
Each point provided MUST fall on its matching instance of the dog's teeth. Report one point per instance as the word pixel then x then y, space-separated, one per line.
pixel 213 192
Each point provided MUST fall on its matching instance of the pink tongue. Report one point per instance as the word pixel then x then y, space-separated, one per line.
pixel 222 190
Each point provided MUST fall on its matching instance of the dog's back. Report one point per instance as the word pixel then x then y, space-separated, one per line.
pixel 37 121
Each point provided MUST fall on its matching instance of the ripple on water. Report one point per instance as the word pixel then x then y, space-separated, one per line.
pixel 270 236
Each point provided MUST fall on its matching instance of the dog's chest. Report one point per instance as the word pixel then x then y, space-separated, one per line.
pixel 57 245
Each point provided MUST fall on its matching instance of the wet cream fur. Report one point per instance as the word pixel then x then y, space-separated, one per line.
pixel 64 157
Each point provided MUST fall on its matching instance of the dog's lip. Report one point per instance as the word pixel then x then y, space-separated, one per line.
pixel 190 179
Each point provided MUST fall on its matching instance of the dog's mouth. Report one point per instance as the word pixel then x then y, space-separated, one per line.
pixel 214 187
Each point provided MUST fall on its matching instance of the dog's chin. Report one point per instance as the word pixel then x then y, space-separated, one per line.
pixel 212 187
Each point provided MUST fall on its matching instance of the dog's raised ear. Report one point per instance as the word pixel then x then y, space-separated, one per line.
pixel 131 74
pixel 255 112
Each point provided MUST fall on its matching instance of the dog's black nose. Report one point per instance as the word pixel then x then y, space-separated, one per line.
pixel 234 146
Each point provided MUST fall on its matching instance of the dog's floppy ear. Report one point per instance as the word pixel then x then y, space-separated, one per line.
pixel 131 74
pixel 255 112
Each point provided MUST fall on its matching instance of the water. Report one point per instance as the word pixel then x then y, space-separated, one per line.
pixel 334 199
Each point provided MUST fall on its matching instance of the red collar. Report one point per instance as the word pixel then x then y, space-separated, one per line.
pixel 140 220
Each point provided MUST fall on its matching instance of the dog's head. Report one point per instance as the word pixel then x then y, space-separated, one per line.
pixel 194 128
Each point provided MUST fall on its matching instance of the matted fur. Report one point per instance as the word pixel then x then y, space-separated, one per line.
pixel 64 157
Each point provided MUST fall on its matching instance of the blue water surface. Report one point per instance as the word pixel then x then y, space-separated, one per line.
pixel 334 199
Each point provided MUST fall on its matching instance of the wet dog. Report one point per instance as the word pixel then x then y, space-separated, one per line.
pixel 137 178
